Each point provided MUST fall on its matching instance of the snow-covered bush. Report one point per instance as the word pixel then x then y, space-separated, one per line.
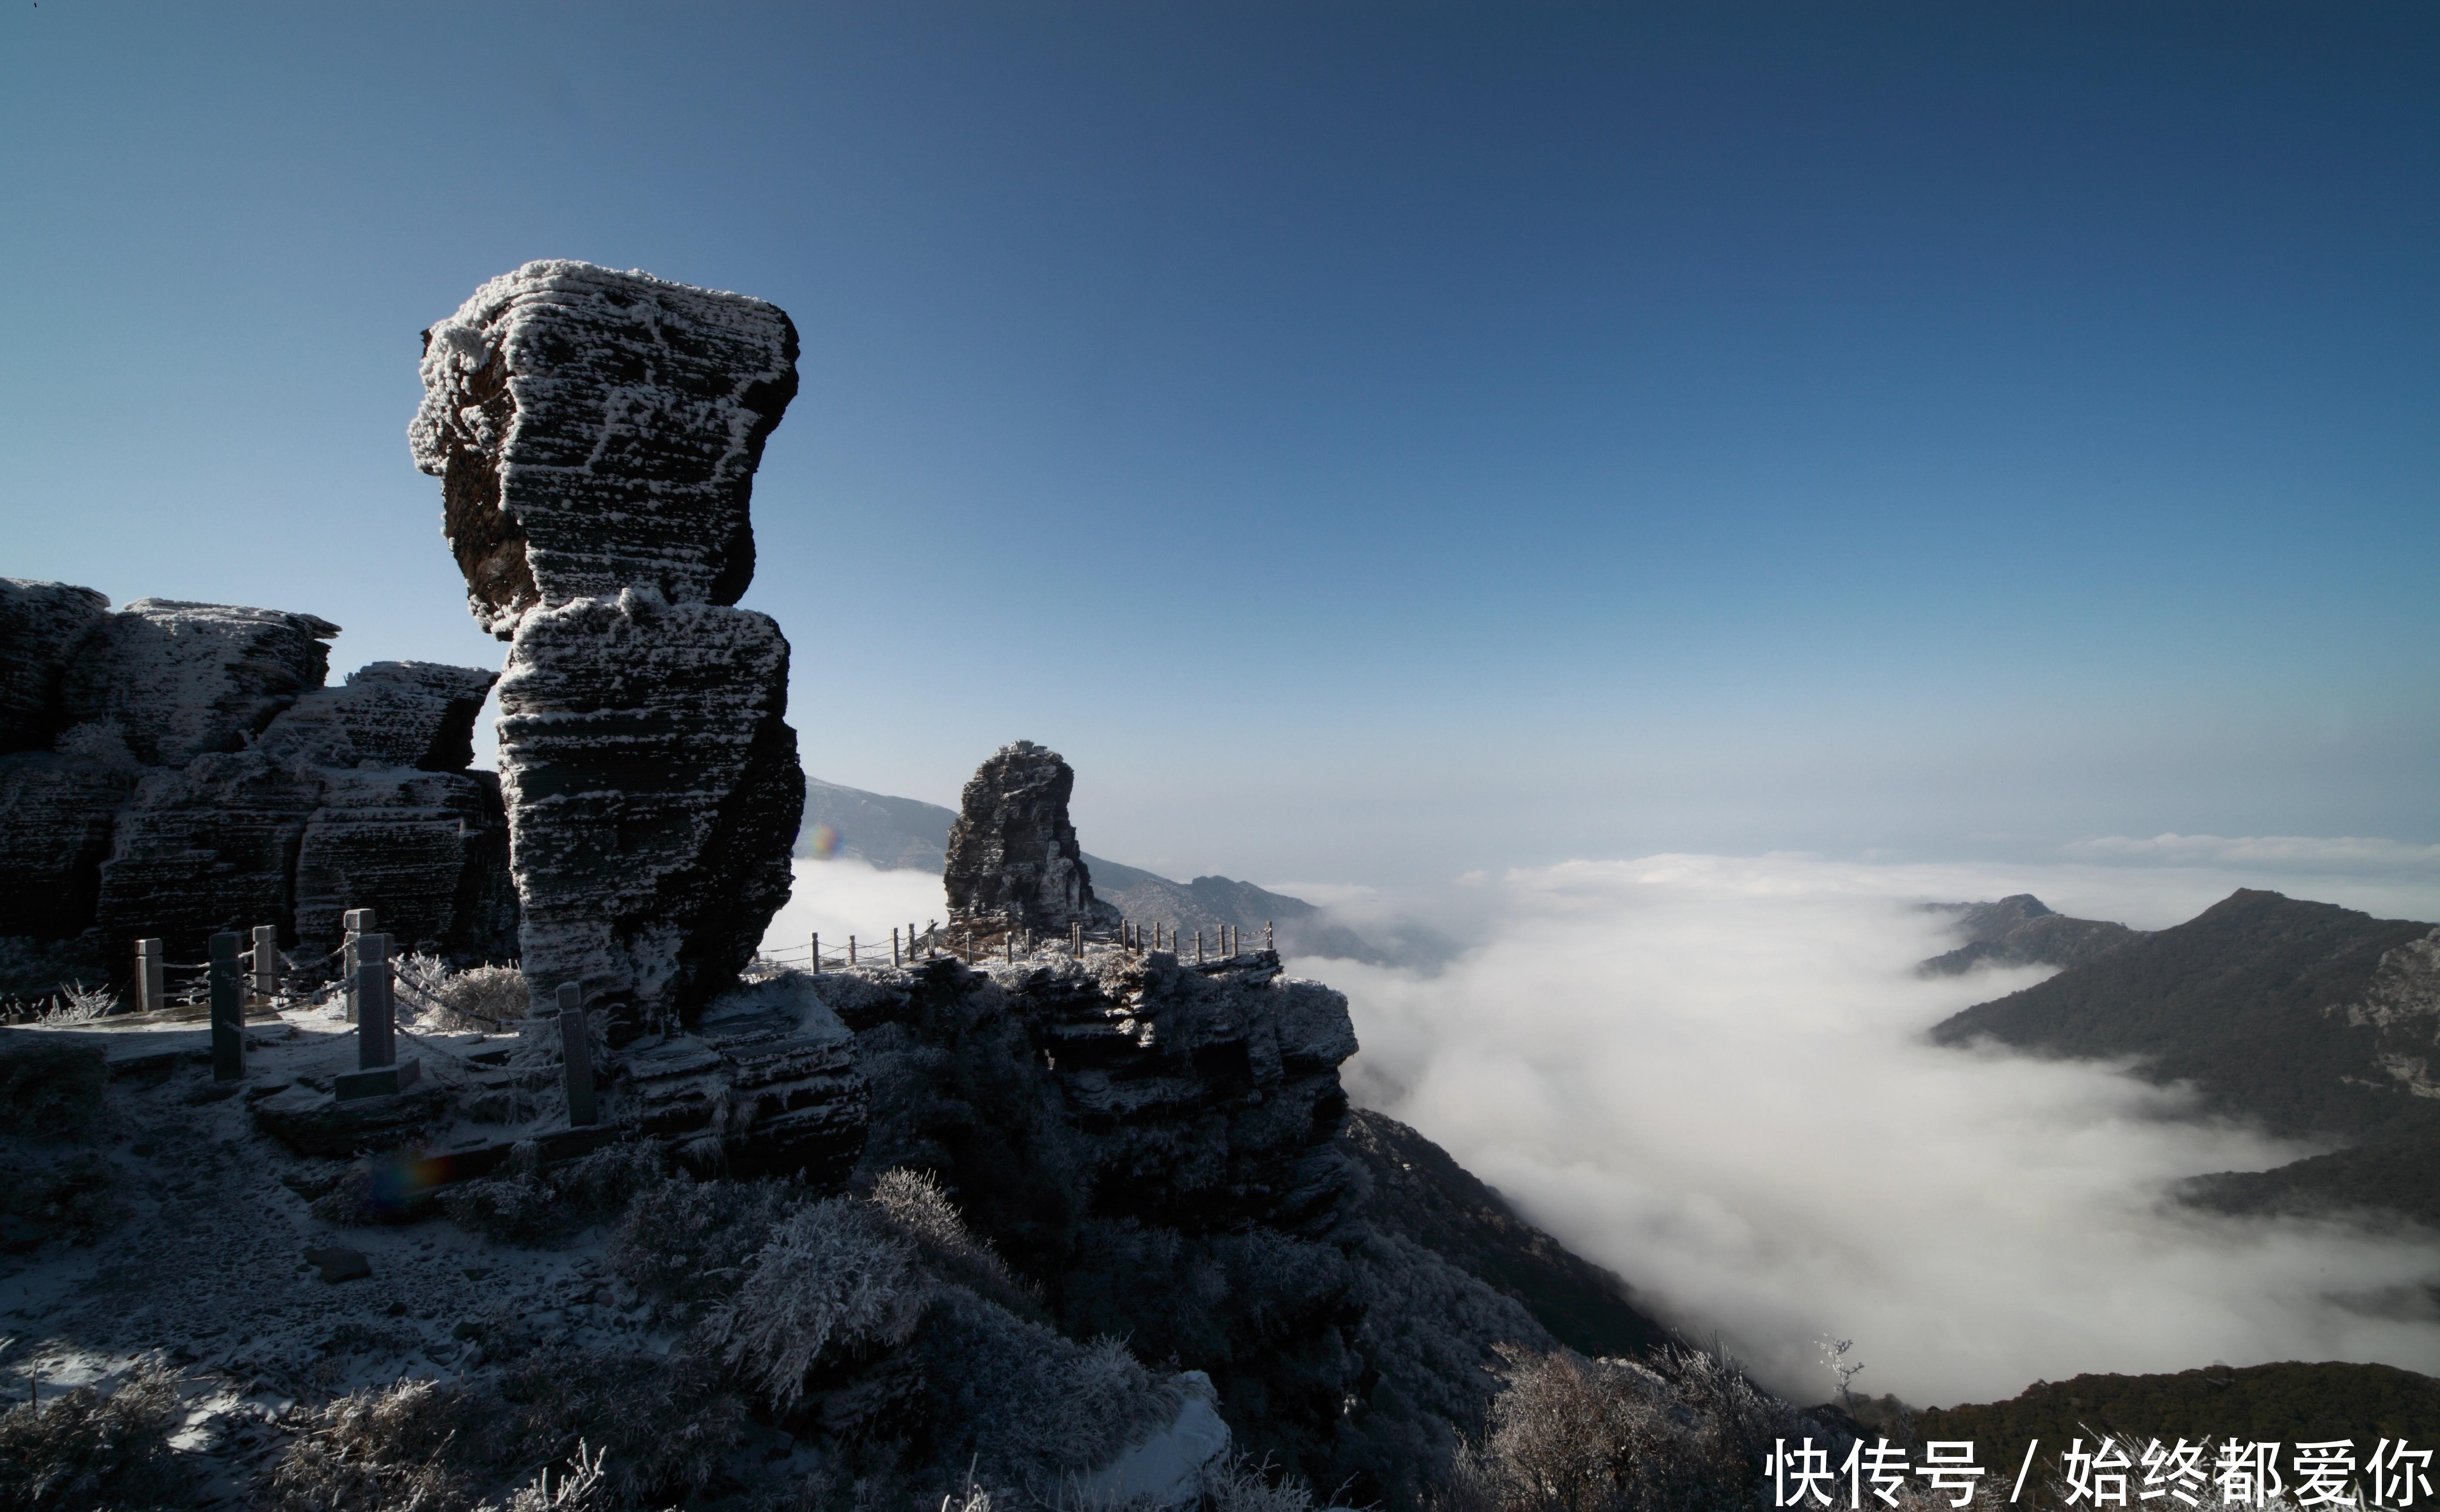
pixel 836 1278
pixel 480 998
pixel 86 1449
pixel 685 1242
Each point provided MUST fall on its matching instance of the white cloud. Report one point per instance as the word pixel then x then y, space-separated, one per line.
pixel 1709 1073
pixel 846 897
pixel 2283 853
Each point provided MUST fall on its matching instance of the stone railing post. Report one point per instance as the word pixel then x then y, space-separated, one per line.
pixel 357 922
pixel 228 1009
pixel 266 961
pixel 151 977
pixel 817 952
pixel 376 1027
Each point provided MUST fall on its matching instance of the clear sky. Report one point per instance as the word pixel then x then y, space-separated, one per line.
pixel 1370 440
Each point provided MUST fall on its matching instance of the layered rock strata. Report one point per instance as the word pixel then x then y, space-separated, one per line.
pixel 595 433
pixel 187 679
pixel 41 625
pixel 1013 862
pixel 199 777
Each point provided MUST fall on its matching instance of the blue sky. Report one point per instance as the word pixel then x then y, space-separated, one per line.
pixel 1372 441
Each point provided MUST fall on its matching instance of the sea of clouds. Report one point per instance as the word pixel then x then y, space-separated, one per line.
pixel 1710 1075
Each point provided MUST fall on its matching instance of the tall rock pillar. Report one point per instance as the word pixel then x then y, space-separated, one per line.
pixel 595 435
pixel 1014 863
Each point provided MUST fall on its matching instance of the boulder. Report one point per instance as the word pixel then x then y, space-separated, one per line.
pixel 427 852
pixel 1014 863
pixel 40 624
pixel 391 714
pixel 652 795
pixel 187 679
pixel 596 430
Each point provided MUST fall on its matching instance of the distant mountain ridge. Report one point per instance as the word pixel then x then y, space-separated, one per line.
pixel 2020 929
pixel 908 834
pixel 2315 1021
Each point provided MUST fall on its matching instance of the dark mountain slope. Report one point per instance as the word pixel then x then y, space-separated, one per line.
pixel 2259 1001
pixel 1421 1195
pixel 2020 929
pixel 2286 1403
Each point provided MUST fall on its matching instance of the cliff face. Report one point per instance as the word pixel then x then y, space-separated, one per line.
pixel 193 774
pixel 596 434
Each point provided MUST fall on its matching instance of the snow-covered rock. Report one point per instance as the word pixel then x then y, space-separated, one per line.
pixel 595 433
pixel 186 679
pixel 596 430
pixel 392 714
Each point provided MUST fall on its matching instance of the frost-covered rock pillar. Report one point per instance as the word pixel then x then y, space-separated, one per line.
pixel 595 433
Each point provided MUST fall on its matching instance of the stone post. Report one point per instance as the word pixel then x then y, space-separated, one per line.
pixel 578 1057
pixel 817 952
pixel 376 1027
pixel 228 1009
pixel 266 961
pixel 355 922
pixel 151 977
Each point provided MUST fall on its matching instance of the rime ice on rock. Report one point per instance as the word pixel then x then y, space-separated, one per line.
pixel 186 679
pixel 1014 863
pixel 393 714
pixel 595 433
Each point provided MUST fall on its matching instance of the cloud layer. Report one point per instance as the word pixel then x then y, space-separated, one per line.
pixel 1709 1073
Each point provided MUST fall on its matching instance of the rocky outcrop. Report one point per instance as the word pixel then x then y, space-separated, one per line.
pixel 595 433
pixel 201 777
pixel 187 679
pixel 208 847
pixel 1013 862
pixel 41 625
pixel 391 714
pixel 56 816
pixel 427 852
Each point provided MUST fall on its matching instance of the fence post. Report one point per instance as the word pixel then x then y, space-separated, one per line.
pixel 893 947
pixel 376 1028
pixel 266 961
pixel 1010 937
pixel 228 1010
pixel 1267 943
pixel 1198 947
pixel 151 978
pixel 817 952
pixel 851 950
pixel 577 1047
pixel 358 922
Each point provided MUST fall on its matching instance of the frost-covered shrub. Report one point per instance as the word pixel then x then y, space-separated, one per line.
pixel 86 1449
pixel 1238 1484
pixel 416 1445
pixel 665 1423
pixel 687 1242
pixel 836 1278
pixel 530 1206
pixel 917 1205
pixel 1569 1434
pixel 480 998
pixel 1032 1409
